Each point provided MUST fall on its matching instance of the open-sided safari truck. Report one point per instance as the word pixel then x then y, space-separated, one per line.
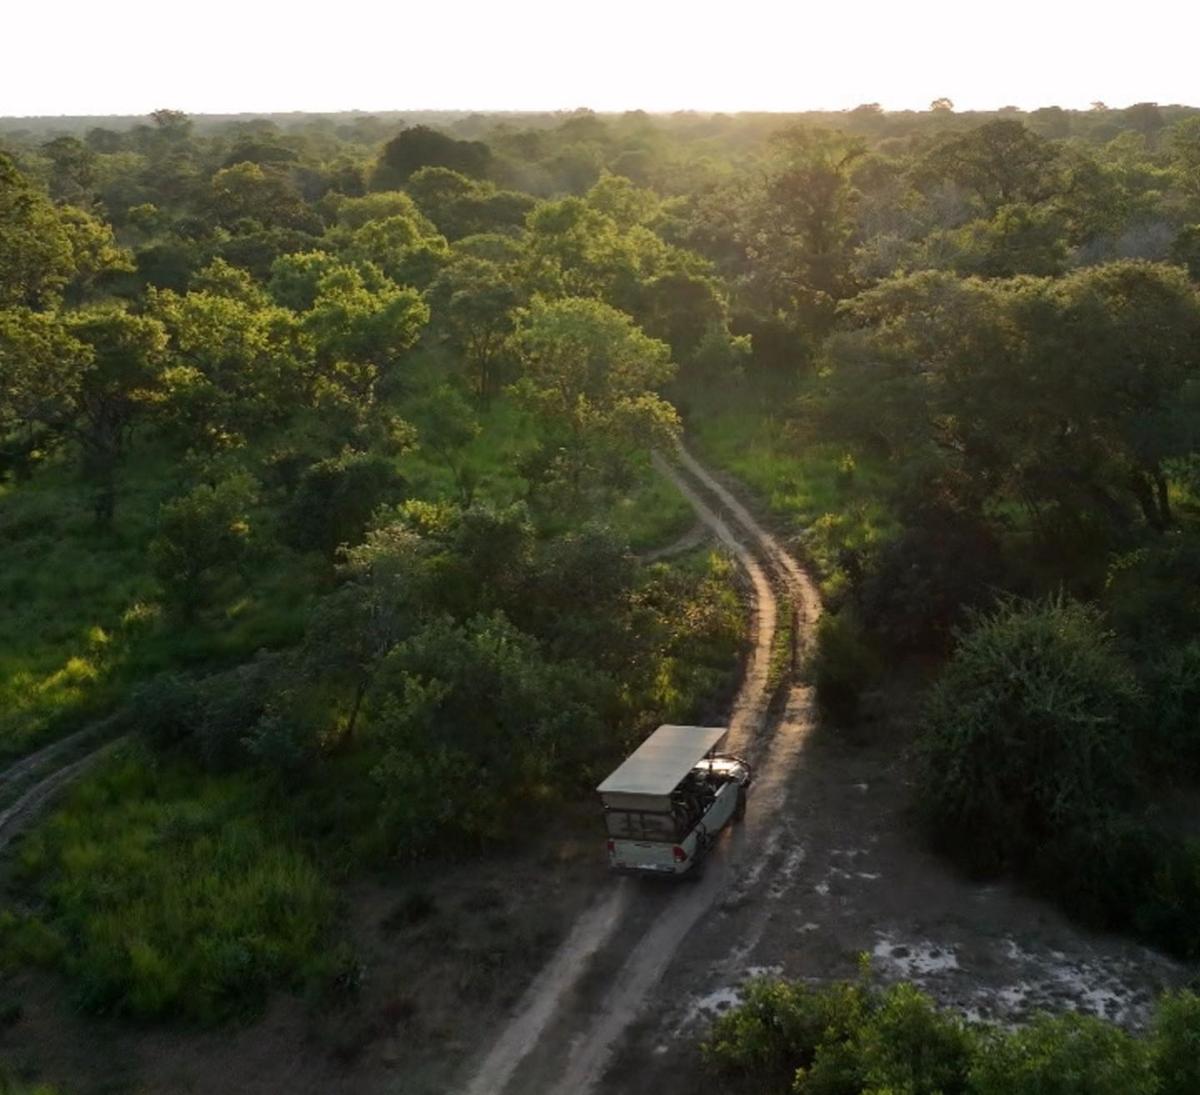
pixel 665 804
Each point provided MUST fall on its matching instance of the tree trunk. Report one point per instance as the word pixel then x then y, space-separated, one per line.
pixel 1164 498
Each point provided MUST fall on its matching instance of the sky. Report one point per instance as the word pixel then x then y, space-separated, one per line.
pixel 259 56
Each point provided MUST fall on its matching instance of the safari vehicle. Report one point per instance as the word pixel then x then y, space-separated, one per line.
pixel 667 801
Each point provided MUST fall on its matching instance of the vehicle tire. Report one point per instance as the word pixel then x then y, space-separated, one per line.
pixel 739 811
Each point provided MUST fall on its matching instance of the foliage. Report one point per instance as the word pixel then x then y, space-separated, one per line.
pixel 856 1038
pixel 202 538
pixel 335 498
pixel 841 1039
pixel 1025 735
pixel 1175 1043
pixel 843 664
pixel 1064 1055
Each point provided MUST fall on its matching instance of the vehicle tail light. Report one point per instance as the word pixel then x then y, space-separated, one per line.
pixel 679 854
pixel 611 847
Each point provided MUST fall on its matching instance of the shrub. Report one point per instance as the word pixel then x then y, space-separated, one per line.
pixel 905 1045
pixel 1175 1043
pixel 202 538
pixel 843 664
pixel 1172 712
pixel 840 1039
pixel 778 1028
pixel 1065 1055
pixel 1026 733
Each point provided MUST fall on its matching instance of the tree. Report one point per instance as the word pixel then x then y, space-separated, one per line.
pixel 477 304
pixel 1175 1043
pixel 44 249
pixel 1113 355
pixel 83 377
pixel 475 721
pixel 1053 121
pixel 460 206
pixel 237 363
pixel 446 425
pixel 250 191
pixel 590 373
pixel 73 169
pixel 799 222
pixel 356 318
pixel 203 537
pixel 1145 118
pixel 1185 152
pixel 421 146
pixel 336 497
pixel 125 370
pixel 399 247
pixel 1002 162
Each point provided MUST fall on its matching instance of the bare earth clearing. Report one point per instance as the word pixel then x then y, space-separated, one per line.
pixel 536 974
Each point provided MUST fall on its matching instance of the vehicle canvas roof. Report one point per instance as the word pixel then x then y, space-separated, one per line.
pixel 658 765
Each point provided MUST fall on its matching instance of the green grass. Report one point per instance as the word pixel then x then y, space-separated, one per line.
pixel 832 499
pixel 163 890
pixel 75 599
pixel 652 513
pixel 491 461
pixel 82 619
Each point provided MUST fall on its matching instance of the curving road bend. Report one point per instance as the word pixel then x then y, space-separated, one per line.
pixel 561 1037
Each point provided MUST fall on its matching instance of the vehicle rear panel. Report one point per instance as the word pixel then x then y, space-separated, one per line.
pixel 653 857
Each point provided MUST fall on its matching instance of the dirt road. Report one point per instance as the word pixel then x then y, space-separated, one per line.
pixel 563 1031
pixel 826 867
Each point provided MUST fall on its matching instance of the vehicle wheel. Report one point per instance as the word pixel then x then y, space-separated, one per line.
pixel 739 811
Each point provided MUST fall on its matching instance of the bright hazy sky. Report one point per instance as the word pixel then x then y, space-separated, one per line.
pixel 226 56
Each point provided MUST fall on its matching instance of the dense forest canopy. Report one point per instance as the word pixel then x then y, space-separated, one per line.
pixel 324 467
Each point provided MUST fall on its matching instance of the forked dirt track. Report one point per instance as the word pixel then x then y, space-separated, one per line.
pixel 560 1039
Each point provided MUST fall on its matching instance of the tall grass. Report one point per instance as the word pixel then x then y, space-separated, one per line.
pixel 165 891
pixel 832 499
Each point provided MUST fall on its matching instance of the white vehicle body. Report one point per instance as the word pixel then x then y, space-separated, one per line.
pixel 665 804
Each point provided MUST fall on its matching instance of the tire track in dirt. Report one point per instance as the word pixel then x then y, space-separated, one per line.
pixel 523 1050
pixel 29 801
pixel 29 765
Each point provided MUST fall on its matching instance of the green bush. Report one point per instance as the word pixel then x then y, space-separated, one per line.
pixel 839 1039
pixel 1064 1055
pixel 905 1045
pixel 853 1038
pixel 778 1027
pixel 1027 733
pixel 1175 1043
